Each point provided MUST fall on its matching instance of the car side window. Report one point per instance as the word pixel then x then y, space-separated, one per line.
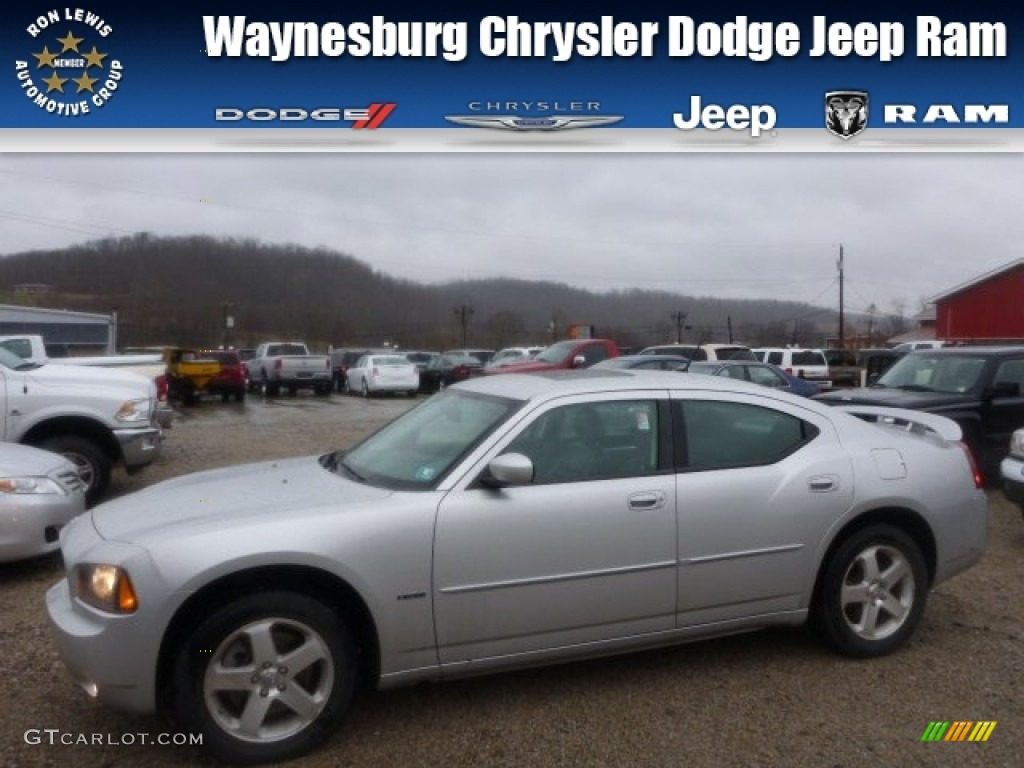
pixel 725 435
pixel 592 441
pixel 775 358
pixel 1011 371
pixel 766 377
pixel 594 353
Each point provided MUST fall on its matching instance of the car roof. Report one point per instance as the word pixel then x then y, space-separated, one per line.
pixel 991 351
pixel 549 385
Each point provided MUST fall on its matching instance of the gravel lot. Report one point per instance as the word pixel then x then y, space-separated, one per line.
pixel 774 698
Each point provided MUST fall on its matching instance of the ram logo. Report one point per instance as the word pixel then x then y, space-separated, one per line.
pixel 946 113
pixel 846 113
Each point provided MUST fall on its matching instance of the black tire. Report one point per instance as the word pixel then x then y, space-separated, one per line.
pixel 322 390
pixel 220 649
pixel 872 592
pixel 364 389
pixel 345 388
pixel 93 463
pixel 240 394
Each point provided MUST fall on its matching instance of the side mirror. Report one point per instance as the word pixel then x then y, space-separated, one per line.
pixel 1004 389
pixel 508 469
pixel 579 362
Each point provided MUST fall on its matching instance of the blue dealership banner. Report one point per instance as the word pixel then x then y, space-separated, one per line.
pixel 401 75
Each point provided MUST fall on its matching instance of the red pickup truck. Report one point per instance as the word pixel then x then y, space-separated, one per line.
pixel 563 355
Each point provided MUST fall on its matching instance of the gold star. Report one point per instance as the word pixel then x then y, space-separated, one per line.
pixel 84 82
pixel 54 83
pixel 70 43
pixel 95 58
pixel 45 58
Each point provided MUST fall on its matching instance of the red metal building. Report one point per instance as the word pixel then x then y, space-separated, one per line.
pixel 989 308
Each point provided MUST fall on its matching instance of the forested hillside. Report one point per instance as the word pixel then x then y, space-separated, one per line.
pixel 177 290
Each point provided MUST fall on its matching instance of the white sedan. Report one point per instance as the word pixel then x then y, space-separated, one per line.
pixel 374 374
pixel 40 492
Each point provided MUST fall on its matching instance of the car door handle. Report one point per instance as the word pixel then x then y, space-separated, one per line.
pixel 823 483
pixel 647 500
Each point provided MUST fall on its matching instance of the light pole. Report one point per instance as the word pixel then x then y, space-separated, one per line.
pixel 228 322
pixel 464 313
pixel 680 320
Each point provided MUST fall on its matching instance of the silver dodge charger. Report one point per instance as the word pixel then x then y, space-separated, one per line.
pixel 511 521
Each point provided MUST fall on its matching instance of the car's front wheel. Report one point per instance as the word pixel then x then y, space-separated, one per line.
pixel 873 592
pixel 265 678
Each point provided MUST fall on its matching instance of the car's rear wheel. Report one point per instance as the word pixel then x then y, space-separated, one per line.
pixel 873 592
pixel 265 678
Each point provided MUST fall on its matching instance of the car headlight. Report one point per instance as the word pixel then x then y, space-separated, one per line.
pixel 105 587
pixel 1017 444
pixel 132 411
pixel 31 486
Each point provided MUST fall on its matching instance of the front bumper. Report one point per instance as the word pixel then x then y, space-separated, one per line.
pixel 106 655
pixel 29 525
pixel 1012 471
pixel 139 446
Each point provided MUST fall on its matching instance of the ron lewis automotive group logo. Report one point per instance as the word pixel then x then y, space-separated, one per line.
pixel 70 70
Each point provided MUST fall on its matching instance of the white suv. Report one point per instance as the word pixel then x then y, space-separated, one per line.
pixel 702 351
pixel 808 364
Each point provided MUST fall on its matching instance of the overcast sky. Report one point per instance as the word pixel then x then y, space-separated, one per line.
pixel 728 225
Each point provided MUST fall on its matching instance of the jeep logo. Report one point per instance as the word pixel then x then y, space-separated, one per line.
pixel 755 118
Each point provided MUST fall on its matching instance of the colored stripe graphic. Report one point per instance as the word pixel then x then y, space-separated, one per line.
pixel 982 730
pixel 958 730
pixel 378 114
pixel 935 731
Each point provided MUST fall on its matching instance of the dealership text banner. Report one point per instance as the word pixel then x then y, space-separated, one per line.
pixel 391 76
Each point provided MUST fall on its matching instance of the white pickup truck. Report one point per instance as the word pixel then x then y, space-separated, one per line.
pixel 96 417
pixel 32 349
pixel 288 365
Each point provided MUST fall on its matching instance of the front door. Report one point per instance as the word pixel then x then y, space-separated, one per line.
pixel 585 553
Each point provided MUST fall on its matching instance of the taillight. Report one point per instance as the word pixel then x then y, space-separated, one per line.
pixel 161 388
pixel 277 364
pixel 979 480
pixel 376 372
pixel 789 371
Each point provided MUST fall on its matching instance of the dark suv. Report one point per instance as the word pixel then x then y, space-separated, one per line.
pixel 980 388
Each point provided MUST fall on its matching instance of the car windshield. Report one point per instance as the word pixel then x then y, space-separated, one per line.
pixel 934 373
pixel 557 353
pixel 418 449
pixel 390 360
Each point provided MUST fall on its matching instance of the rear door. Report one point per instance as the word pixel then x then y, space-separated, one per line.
pixel 760 482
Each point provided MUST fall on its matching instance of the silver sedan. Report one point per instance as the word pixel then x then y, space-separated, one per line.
pixel 511 521
pixel 40 492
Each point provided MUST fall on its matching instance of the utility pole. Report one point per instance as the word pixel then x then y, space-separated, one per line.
pixel 680 321
pixel 728 322
pixel 842 331
pixel 464 313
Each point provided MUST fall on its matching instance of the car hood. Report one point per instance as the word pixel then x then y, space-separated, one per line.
pixel 89 377
pixel 894 398
pixel 227 497
pixel 23 460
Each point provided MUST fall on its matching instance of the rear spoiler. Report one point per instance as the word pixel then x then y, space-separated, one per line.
pixel 917 422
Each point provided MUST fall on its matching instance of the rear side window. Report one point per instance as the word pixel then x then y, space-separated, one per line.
pixel 807 357
pixel 725 435
pixel 775 358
